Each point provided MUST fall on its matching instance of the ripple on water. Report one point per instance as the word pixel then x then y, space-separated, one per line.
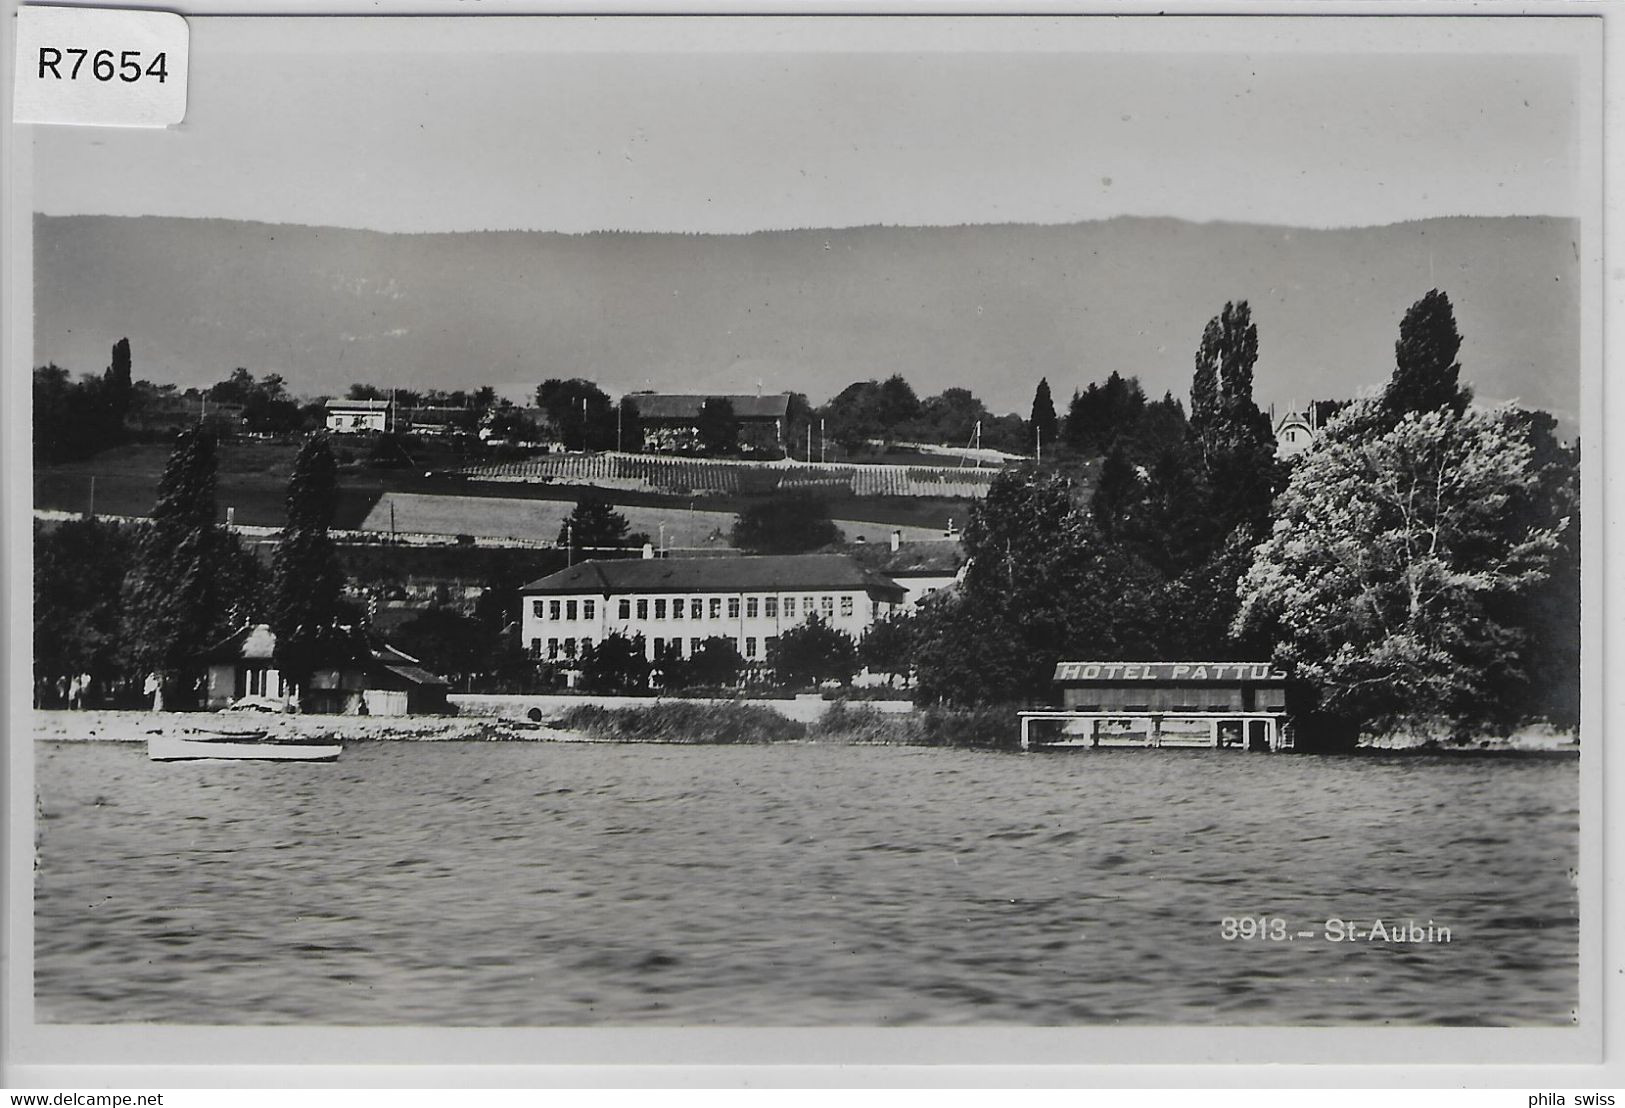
pixel 513 885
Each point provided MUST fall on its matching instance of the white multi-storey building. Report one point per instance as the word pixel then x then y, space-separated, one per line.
pixel 684 601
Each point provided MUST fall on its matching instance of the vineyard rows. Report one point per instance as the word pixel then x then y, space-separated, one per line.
pixel 705 475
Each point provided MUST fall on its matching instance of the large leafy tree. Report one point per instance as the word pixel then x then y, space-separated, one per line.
pixel 616 664
pixel 192 582
pixel 888 647
pixel 853 416
pixel 950 417
pixel 1390 558
pixel 1105 413
pixel 716 662
pixel 447 642
pixel 240 385
pixel 595 528
pixel 307 580
pixel 897 405
pixel 79 570
pixel 1040 582
pixel 812 652
pixel 1545 683
pixel 786 523
pixel 580 412
pixel 58 426
pixel 717 426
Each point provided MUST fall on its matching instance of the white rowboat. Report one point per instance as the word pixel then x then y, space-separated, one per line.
pixel 240 745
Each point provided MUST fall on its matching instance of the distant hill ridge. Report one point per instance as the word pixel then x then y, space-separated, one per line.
pixel 987 307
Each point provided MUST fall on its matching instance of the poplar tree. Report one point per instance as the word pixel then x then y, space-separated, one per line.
pixel 1426 374
pixel 1235 441
pixel 117 387
pixel 307 581
pixel 1043 424
pixel 192 583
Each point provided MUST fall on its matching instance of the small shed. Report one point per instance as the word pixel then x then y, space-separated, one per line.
pixel 398 686
pixel 242 665
pixel 371 678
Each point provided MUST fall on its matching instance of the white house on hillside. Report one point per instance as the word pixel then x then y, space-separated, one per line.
pixel 684 601
pixel 352 416
pixel 1294 432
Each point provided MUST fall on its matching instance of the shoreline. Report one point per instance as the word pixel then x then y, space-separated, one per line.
pixel 661 723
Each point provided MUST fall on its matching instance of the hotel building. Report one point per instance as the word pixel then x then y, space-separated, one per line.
pixel 684 601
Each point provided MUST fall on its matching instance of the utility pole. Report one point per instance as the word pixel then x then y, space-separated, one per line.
pixel 620 409
pixel 809 440
pixel 823 442
pixel 92 513
pixel 569 544
pixel 1038 444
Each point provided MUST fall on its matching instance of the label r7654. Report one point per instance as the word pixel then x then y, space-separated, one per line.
pixel 68 64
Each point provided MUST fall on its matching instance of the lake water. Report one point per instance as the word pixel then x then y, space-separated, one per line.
pixel 560 884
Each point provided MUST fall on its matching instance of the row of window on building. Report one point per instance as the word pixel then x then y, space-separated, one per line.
pixel 768 607
pixel 571 649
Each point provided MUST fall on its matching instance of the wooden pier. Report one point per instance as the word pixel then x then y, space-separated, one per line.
pixel 1217 730
pixel 1221 703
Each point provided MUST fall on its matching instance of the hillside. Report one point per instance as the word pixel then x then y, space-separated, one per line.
pixel 988 307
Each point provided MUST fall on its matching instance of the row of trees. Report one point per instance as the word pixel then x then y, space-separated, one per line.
pixel 1418 565
pixel 137 605
pixel 75 419
pixel 805 656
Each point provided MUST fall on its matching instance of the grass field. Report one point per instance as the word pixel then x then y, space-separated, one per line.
pixel 536 519
pixel 254 476
pixel 724 476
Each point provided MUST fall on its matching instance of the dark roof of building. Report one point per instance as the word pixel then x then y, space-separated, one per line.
pixel 416 675
pixel 940 558
pixel 358 405
pixel 758 573
pixel 675 406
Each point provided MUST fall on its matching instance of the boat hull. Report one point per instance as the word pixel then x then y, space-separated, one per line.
pixel 180 748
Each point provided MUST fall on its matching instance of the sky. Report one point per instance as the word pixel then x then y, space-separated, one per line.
pixel 736 126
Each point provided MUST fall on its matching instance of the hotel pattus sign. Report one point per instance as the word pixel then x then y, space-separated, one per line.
pixel 1182 673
